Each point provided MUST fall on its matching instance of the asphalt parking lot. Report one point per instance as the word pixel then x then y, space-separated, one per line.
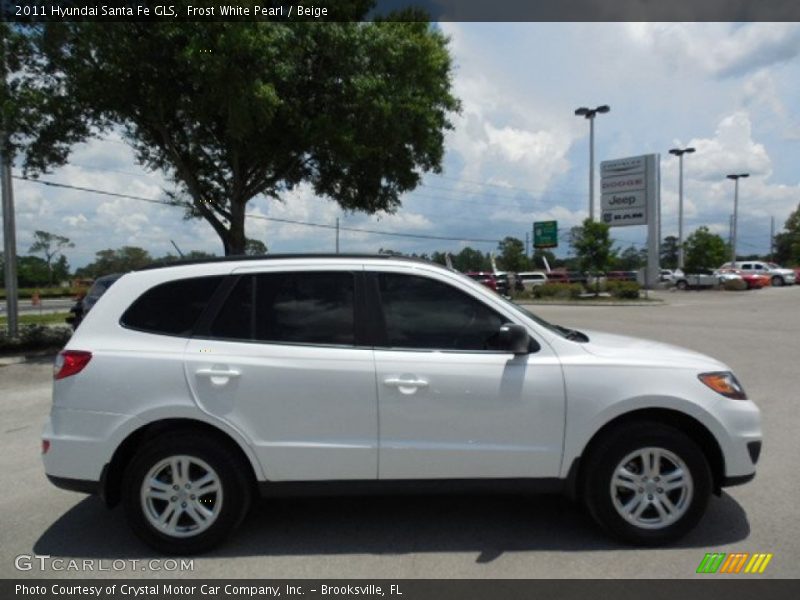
pixel 757 333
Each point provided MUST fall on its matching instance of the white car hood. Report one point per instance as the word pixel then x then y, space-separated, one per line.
pixel 630 349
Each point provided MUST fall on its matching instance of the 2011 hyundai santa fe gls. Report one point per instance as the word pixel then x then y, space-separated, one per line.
pixel 188 389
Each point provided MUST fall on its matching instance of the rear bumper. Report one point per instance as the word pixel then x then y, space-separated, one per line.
pixel 84 486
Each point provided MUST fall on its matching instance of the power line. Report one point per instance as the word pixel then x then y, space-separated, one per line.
pixel 264 217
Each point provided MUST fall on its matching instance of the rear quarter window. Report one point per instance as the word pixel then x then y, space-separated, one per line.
pixel 171 308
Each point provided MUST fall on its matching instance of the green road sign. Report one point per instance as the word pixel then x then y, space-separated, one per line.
pixel 545 234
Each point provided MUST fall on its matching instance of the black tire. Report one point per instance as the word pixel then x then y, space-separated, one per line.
pixel 234 497
pixel 681 284
pixel 777 281
pixel 617 446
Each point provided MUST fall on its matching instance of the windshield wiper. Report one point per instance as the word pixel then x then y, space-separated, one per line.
pixel 572 334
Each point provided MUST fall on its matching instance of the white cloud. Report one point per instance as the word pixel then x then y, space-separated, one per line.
pixel 720 49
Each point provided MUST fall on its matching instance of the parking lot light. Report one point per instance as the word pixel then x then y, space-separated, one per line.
pixel 679 152
pixel 736 177
pixel 590 113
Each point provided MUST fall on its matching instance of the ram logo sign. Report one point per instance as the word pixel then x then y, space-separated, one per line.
pixel 734 563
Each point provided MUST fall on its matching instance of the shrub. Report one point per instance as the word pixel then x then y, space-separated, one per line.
pixel 35 337
pixel 558 290
pixel 628 290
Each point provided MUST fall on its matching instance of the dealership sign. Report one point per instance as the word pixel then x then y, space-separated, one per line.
pixel 629 188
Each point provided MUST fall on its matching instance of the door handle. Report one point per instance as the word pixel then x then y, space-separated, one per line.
pixel 218 376
pixel 407 383
pixel 218 372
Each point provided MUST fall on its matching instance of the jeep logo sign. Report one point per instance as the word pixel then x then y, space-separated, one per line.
pixel 626 185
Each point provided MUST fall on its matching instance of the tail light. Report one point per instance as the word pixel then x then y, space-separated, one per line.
pixel 70 362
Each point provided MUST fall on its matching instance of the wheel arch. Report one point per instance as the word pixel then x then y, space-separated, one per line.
pixel 693 428
pixel 111 481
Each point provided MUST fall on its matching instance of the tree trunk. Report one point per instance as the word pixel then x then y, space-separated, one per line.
pixel 235 242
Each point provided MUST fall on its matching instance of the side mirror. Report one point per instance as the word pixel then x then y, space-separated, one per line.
pixel 513 338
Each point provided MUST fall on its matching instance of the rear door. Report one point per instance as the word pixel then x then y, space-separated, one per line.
pixel 282 361
pixel 450 405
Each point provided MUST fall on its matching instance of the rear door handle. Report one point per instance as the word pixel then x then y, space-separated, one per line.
pixel 219 376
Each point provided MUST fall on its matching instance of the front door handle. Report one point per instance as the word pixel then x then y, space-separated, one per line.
pixel 405 386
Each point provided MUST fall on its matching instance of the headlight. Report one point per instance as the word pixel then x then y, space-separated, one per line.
pixel 725 383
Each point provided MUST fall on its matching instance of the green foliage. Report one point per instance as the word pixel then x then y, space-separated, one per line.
pixel 787 243
pixel 32 271
pixel 121 260
pixel 255 247
pixel 35 337
pixel 512 255
pixel 631 259
pixel 704 250
pixel 626 290
pixel 539 254
pixel 593 246
pixel 558 290
pixel 229 111
pixel 470 259
pixel 669 252
pixel 50 245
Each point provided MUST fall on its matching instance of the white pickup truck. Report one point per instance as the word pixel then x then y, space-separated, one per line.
pixel 694 281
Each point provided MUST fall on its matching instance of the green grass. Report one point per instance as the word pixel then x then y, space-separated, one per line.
pixel 43 319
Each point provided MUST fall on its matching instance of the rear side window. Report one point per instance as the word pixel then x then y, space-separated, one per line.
pixel 171 308
pixel 294 308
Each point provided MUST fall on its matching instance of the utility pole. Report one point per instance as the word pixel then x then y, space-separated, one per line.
pixel 337 235
pixel 772 239
pixel 527 244
pixel 9 228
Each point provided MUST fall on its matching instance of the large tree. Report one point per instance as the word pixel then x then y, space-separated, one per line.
pixel 51 246
pixel 592 245
pixel 787 243
pixel 512 255
pixel 231 111
pixel 705 250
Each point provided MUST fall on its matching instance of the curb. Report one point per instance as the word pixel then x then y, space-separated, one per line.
pixel 651 303
pixel 6 361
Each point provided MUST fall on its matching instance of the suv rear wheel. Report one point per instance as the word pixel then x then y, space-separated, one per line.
pixel 184 496
pixel 647 483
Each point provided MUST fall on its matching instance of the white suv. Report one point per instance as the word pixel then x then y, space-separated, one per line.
pixel 188 389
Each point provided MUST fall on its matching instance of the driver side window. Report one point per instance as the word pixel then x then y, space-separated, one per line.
pixel 423 313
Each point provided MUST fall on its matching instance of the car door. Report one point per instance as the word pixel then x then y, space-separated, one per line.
pixel 450 406
pixel 282 362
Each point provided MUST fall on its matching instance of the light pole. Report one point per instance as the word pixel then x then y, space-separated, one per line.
pixel 736 177
pixel 679 152
pixel 590 113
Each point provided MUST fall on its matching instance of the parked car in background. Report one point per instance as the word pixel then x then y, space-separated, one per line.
pixel 753 281
pixel 777 274
pixel 487 279
pixel 700 279
pixel 503 282
pixel 666 275
pixel 621 276
pixel 531 279
pixel 84 305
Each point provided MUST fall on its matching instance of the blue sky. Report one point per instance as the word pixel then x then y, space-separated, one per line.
pixel 517 154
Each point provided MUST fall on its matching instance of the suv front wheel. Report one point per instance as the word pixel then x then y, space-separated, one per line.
pixel 647 483
pixel 184 494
